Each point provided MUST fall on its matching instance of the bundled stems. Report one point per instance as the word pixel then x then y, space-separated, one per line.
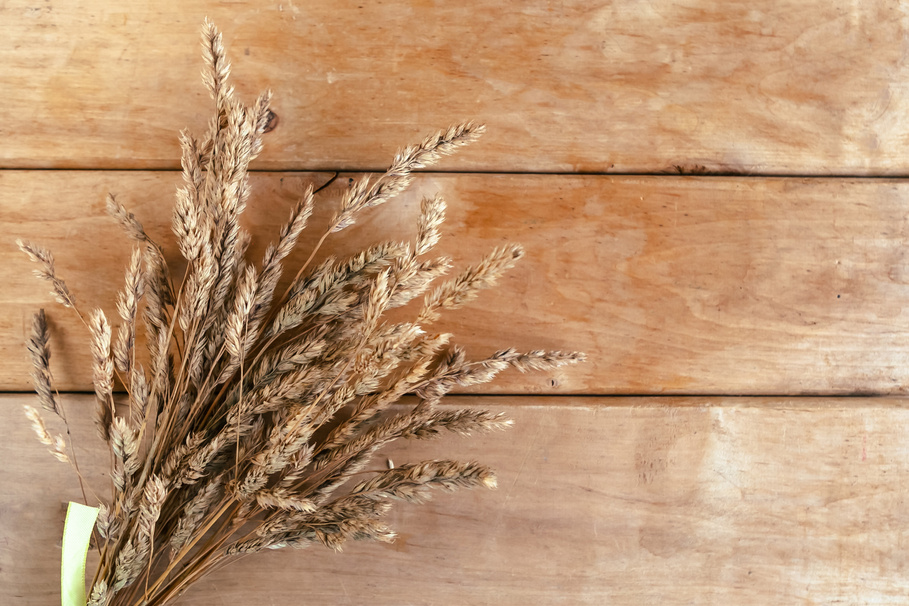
pixel 250 415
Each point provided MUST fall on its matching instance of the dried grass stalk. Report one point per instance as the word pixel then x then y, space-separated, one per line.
pixel 259 411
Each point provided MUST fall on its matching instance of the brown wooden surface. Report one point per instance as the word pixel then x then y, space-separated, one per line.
pixel 621 501
pixel 697 285
pixel 769 86
pixel 715 286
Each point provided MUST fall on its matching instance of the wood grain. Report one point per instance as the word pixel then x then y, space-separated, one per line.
pixel 794 87
pixel 778 285
pixel 672 284
pixel 621 501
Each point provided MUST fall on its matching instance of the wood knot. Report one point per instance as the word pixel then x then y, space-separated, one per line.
pixel 271 121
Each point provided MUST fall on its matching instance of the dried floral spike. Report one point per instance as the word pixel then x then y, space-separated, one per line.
pixel 544 360
pixel 46 271
pixel 102 372
pixel 275 255
pixel 431 217
pixel 217 67
pixel 139 393
pixel 434 147
pixel 107 524
pixel 465 287
pixel 128 307
pixel 413 482
pixel 99 595
pixel 464 422
pixel 361 195
pixel 188 225
pixel 193 512
pixel 39 351
pixel 57 444
pixel 126 219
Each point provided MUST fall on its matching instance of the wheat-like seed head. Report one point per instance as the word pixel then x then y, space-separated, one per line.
pixel 126 219
pixel 102 372
pixel 465 287
pixel 46 271
pixel 431 218
pixel 57 444
pixel 40 354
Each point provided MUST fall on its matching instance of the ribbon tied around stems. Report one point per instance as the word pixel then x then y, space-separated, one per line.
pixel 77 533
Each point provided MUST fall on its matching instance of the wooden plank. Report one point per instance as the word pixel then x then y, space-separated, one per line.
pixel 762 86
pixel 672 284
pixel 620 501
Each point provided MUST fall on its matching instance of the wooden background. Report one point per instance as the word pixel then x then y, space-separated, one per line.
pixel 711 200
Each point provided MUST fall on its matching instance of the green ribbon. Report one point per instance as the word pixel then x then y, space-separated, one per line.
pixel 77 532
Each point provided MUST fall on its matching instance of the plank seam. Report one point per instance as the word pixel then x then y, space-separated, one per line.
pixel 613 396
pixel 706 175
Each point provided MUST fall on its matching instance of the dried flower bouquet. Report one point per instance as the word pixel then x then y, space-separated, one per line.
pixel 252 417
